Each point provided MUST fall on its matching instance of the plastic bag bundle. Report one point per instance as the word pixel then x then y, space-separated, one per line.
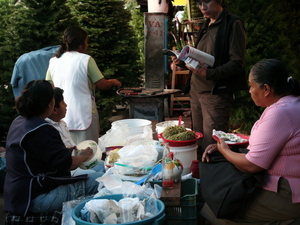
pixel 126 210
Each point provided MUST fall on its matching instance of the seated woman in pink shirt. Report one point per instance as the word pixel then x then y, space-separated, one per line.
pixel 274 146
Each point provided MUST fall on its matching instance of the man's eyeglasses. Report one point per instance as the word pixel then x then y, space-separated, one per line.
pixel 205 2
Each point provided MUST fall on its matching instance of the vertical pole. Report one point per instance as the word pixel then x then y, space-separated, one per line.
pixel 154 43
pixel 188 2
pixel 166 44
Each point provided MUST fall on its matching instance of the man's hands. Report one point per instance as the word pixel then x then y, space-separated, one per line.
pixel 175 60
pixel 198 71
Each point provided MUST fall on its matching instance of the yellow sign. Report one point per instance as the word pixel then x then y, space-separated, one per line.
pixel 179 2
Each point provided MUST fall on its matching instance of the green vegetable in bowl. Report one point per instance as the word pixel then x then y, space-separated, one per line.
pixel 171 130
pixel 184 136
pixel 178 133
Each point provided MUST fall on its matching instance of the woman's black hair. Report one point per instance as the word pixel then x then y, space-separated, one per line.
pixel 221 2
pixel 58 96
pixel 35 98
pixel 274 73
pixel 72 39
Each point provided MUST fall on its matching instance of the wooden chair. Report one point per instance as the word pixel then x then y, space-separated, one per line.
pixel 174 98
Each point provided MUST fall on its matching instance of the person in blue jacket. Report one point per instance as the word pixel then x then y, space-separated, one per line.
pixel 31 66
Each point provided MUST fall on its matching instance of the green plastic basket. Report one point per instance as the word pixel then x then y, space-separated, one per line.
pixel 187 212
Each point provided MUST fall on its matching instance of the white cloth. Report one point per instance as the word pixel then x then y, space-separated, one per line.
pixel 62 127
pixel 70 73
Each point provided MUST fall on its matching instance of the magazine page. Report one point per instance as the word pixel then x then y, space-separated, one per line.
pixel 196 54
pixel 184 54
pixel 192 63
pixel 170 52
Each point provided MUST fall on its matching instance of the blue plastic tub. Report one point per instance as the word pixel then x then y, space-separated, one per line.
pixel 155 220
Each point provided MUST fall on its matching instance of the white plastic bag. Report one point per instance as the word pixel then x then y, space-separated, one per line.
pixel 102 210
pixel 128 153
pixel 111 185
pixel 136 160
pixel 116 136
pixel 126 210
pixel 146 136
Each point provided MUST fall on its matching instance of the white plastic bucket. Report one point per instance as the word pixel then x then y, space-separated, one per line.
pixel 155 7
pixel 160 127
pixel 186 154
pixel 136 126
pixel 96 150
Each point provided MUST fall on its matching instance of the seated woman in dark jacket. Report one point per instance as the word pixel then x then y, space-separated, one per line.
pixel 38 176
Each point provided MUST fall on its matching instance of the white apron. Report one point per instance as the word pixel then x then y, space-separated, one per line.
pixel 69 72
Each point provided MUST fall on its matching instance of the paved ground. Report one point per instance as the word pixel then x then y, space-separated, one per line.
pixel 121 115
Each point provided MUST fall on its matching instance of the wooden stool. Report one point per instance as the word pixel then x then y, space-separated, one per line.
pixel 171 197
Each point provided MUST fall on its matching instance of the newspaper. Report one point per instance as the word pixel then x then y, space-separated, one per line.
pixel 191 56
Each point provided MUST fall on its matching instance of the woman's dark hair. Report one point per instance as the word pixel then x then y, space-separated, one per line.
pixel 58 96
pixel 221 2
pixel 72 39
pixel 35 98
pixel 274 73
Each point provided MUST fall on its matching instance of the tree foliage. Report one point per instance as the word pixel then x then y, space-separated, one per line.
pixel 25 26
pixel 137 23
pixel 116 43
pixel 271 33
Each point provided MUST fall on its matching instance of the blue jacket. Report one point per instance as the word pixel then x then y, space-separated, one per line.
pixel 31 66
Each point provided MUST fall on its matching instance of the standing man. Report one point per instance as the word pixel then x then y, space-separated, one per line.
pixel 212 89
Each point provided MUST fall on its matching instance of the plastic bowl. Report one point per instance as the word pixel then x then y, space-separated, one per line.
pixel 182 143
pixel 97 154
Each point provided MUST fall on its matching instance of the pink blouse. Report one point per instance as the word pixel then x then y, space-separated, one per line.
pixel 274 144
